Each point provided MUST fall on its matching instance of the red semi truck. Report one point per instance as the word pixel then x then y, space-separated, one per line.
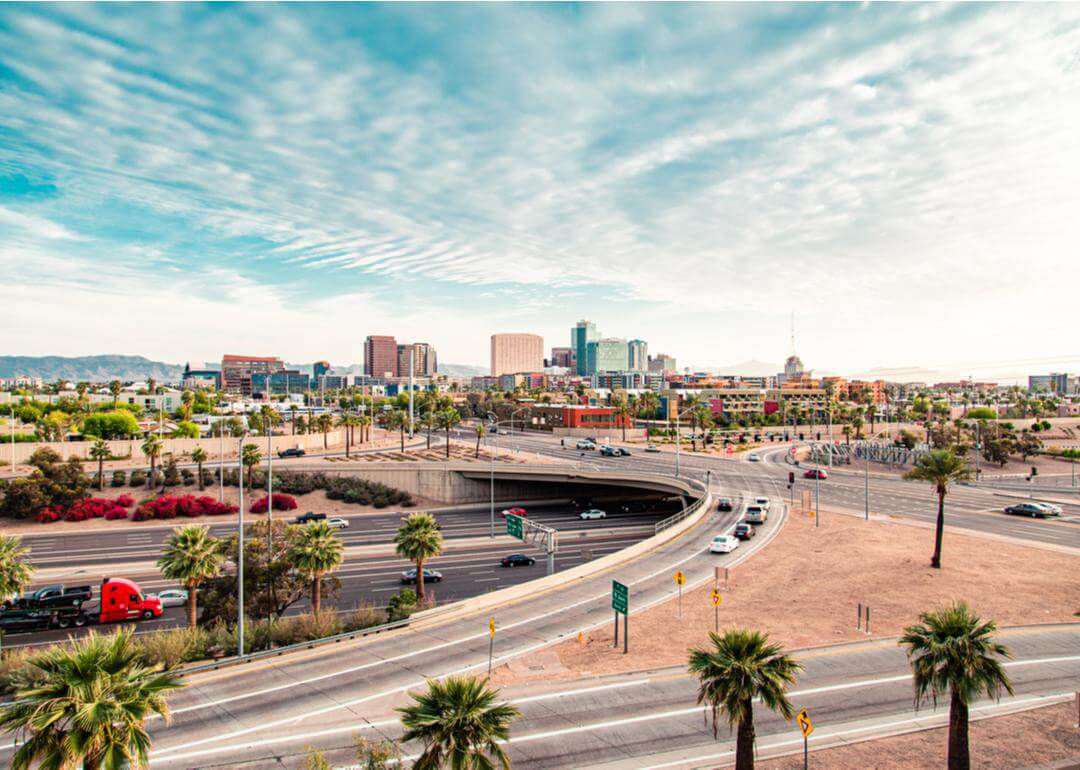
pixel 119 599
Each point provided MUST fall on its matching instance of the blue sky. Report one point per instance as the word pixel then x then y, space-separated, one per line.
pixel 182 180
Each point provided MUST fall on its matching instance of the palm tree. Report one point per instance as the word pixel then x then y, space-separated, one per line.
pixel 100 452
pixel 953 650
pixel 623 410
pixel 397 420
pixel 301 425
pixel 365 427
pixel 151 447
pixel 191 555
pixel 346 421
pixel 430 422
pixel 857 423
pixel 940 467
pixel 480 431
pixel 460 724
pixel 89 705
pixel 448 419
pixel 151 386
pixel 15 571
pixel 292 417
pixel 199 456
pixel 250 458
pixel 419 539
pixel 741 666
pixel 187 398
pixel 316 551
pixel 325 423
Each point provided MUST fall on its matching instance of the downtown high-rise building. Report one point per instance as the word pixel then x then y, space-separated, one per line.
pixel 380 356
pixel 637 355
pixel 580 337
pixel 610 354
pixel 424 363
pixel 661 362
pixel 516 353
pixel 563 357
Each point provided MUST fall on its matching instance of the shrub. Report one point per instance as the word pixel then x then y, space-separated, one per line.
pixel 187 476
pixel 362 616
pixel 125 501
pixel 116 513
pixel 119 478
pixel 401 605
pixel 138 478
pixel 143 513
pixel 281 503
pixel 47 516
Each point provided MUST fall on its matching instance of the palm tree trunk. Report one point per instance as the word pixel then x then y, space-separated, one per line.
pixel 324 444
pixel 403 438
pixel 419 581
pixel 935 560
pixel 191 599
pixel 959 758
pixel 316 594
pixel 448 442
pixel 429 437
pixel 477 446
pixel 201 485
pixel 744 743
pixel 346 442
pixel 101 473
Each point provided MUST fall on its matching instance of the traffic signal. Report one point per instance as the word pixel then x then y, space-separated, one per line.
pixel 790 478
pixel 819 435
pixel 1034 471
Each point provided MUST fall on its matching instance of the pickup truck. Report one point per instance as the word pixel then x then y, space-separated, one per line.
pixel 308 517
pixel 120 599
pixel 55 596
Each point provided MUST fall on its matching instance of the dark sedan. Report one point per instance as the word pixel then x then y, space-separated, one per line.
pixel 1028 509
pixel 725 504
pixel 430 576
pixel 517 560
pixel 744 531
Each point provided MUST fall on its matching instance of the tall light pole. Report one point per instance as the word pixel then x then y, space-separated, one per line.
pixel 240 552
pixel 494 418
pixel 866 481
pixel 12 436
pixel 221 462
pixel 270 492
pixel 412 351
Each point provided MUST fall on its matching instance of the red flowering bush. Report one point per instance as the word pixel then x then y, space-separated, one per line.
pixel 116 513
pixel 125 501
pixel 143 513
pixel 48 515
pixel 281 503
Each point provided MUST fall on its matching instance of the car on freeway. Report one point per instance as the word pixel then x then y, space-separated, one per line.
pixel 309 517
pixel 625 452
pixel 755 514
pixel 1034 510
pixel 585 444
pixel 744 531
pixel 815 473
pixel 291 452
pixel 652 448
pixel 517 560
pixel 725 504
pixel 762 502
pixel 753 457
pixel 515 511
pixel 430 576
pixel 592 513
pixel 173 597
pixel 723 544
pixel 338 523
pixel 610 451
pixel 1053 510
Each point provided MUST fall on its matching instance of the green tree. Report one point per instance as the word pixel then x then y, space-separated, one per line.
pixel 100 452
pixel 16 571
pixel 151 447
pixel 325 423
pixel 741 666
pixel 460 723
pixel 952 650
pixel 397 420
pixel 623 410
pixel 316 551
pixel 939 467
pixel 115 387
pixel 190 556
pixel 480 431
pixel 419 539
pixel 88 705
pixel 199 456
pixel 250 458
pixel 430 421
pixel 110 425
pixel 187 399
pixel 185 428
pixel 376 754
pixel 448 419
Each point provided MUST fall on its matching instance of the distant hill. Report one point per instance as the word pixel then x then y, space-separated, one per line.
pixel 89 368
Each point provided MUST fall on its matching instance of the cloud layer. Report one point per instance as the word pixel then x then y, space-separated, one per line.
pixel 288 179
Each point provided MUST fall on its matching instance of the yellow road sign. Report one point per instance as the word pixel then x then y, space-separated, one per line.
pixel 805 725
pixel 716 597
pixel 680 578
pixel 491 627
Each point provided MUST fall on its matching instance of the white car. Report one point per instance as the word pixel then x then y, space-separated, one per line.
pixel 652 448
pixel 337 523
pixel 762 502
pixel 752 457
pixel 173 597
pixel 723 544
pixel 592 513
pixel 585 444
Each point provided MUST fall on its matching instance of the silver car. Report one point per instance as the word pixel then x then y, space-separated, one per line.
pixel 173 597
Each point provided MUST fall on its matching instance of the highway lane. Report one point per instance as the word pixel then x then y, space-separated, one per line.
pixel 636 720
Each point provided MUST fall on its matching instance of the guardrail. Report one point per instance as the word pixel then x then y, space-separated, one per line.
pixel 684 514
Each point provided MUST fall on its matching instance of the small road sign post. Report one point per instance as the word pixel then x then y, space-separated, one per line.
pixel 805 727
pixel 717 598
pixel 491 642
pixel 680 581
pixel 620 602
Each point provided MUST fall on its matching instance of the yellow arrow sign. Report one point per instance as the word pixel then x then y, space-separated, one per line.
pixel 805 725
pixel 716 597
pixel 491 627
pixel 680 578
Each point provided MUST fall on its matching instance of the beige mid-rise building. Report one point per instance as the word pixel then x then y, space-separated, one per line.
pixel 514 353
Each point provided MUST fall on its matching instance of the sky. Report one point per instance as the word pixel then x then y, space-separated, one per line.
pixel 180 181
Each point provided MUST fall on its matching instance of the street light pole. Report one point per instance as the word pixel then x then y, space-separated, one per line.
pixel 866 481
pixel 270 495
pixel 13 438
pixel 221 461
pixel 494 421
pixel 240 553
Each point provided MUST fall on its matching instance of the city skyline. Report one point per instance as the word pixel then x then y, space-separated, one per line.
pixel 690 176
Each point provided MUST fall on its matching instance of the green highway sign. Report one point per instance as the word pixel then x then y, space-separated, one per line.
pixel 620 597
pixel 514 527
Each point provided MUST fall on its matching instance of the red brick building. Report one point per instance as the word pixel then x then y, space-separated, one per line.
pixel 380 356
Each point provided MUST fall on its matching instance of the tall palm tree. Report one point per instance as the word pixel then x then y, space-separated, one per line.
pixel 187 398
pixel 300 425
pixel 430 421
pixel 346 421
pixel 151 447
pixel 90 705
pixel 740 666
pixel 16 571
pixel 448 419
pixel 480 431
pixel 316 551
pixel 952 650
pixel 397 420
pixel 364 421
pixel 418 539
pixel 191 555
pixel 940 467
pixel 325 423
pixel 623 410
pixel 250 458
pixel 199 456
pixel 292 417
pixel 460 723
pixel 100 452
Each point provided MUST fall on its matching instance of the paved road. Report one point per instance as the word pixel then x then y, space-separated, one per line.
pixel 636 721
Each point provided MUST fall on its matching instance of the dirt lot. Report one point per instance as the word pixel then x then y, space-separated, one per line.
pixel 1049 734
pixel 803 589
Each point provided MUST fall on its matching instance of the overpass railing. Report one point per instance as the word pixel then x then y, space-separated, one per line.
pixel 684 514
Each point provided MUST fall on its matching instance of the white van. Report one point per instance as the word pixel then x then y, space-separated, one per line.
pixel 755 514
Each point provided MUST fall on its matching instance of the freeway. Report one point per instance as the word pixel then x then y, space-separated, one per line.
pixel 973 508
pixel 652 719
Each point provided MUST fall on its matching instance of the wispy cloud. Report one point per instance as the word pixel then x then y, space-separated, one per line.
pixel 689 166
